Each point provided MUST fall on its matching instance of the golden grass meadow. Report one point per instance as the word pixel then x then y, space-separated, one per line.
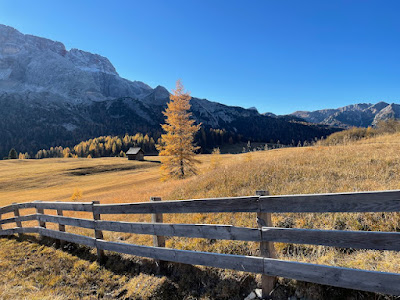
pixel 32 270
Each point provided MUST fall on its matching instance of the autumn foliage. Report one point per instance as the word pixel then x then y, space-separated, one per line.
pixel 177 149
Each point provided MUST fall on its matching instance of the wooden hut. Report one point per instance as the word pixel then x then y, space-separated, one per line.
pixel 135 153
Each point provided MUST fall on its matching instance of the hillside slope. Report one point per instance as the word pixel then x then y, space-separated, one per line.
pixel 368 164
pixel 36 270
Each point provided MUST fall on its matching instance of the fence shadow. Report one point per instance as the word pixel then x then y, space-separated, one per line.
pixel 195 282
pixel 191 279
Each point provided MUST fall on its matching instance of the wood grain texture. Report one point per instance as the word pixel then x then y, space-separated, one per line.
pixel 382 201
pixel 370 281
pixel 379 201
pixel 158 240
pixel 236 204
pixel 98 234
pixel 207 231
pixel 19 230
pixel 69 237
pixel 73 206
pixel 267 248
pixel 234 262
pixel 84 223
pixel 336 238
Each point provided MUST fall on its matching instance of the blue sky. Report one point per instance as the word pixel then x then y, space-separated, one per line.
pixel 279 56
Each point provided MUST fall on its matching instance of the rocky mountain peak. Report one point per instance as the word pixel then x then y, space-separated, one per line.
pixel 90 62
pixel 51 96
pixel 13 42
pixel 361 114
pixel 161 92
pixel 39 65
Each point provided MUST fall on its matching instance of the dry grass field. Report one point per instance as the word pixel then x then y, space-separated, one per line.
pixel 366 165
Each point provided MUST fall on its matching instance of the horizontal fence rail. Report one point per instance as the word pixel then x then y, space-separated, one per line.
pixel 372 281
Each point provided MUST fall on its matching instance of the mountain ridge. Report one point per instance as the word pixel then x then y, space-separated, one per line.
pixel 358 115
pixel 51 96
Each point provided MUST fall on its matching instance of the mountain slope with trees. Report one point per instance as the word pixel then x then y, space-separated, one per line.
pixel 50 96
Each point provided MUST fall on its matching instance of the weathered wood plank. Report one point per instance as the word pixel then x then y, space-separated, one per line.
pixel 370 281
pixel 61 227
pixel 69 237
pixel 234 262
pixel 40 211
pixel 17 215
pixel 335 238
pixel 26 205
pixel 98 234
pixel 6 209
pixel 158 240
pixel 236 204
pixel 267 248
pixel 19 230
pixel 74 206
pixel 84 223
pixel 207 231
pixel 19 219
pixel 381 201
pixel 10 208
pixel 388 283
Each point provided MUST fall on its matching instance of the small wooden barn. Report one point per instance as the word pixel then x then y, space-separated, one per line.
pixel 135 153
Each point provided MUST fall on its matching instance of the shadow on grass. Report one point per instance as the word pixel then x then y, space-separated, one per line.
pixel 153 161
pixel 203 282
pixel 191 282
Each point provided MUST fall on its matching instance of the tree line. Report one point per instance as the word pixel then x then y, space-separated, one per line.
pixel 103 146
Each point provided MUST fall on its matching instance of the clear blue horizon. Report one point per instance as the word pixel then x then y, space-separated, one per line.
pixel 278 56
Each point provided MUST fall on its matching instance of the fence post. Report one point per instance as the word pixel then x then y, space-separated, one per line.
pixel 158 241
pixel 17 215
pixel 61 227
pixel 40 211
pixel 266 249
pixel 98 234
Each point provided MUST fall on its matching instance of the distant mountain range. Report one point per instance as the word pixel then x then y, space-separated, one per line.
pixel 51 96
pixel 359 115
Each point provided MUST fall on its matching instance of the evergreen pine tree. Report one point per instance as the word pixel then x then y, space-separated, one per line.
pixel 177 149
pixel 12 154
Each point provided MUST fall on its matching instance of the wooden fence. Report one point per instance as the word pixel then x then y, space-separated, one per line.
pixel 265 234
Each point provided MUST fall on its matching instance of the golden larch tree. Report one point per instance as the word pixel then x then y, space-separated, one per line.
pixel 177 149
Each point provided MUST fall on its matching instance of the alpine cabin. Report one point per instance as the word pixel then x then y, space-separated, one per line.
pixel 135 153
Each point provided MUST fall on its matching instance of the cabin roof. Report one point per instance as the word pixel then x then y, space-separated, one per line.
pixel 134 150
